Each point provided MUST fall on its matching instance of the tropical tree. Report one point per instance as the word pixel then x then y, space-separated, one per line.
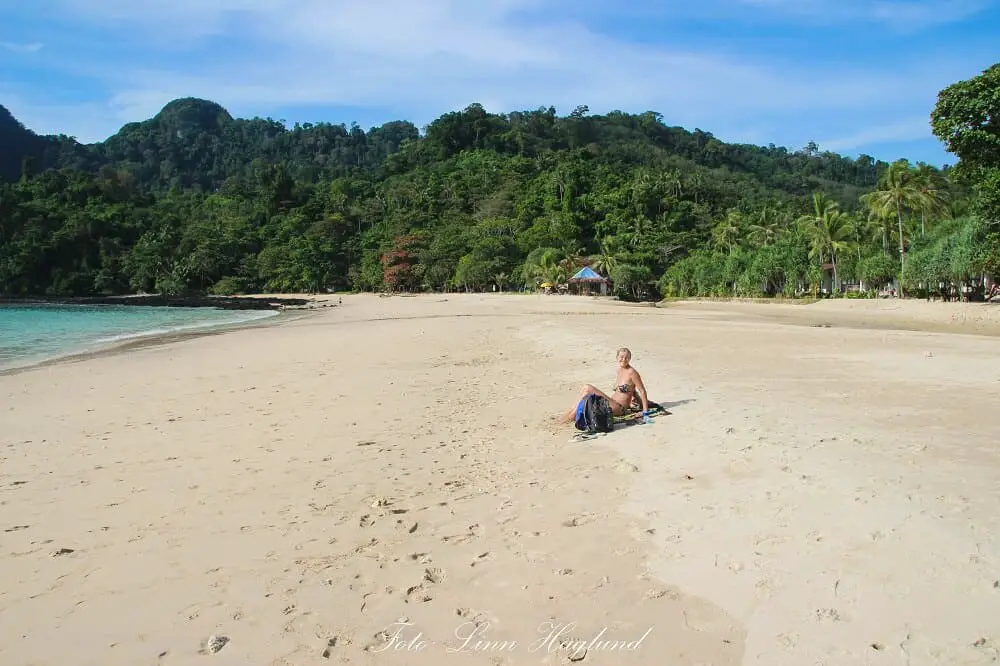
pixel 605 260
pixel 965 119
pixel 827 231
pixel 726 233
pixel 766 227
pixel 934 195
pixel 898 192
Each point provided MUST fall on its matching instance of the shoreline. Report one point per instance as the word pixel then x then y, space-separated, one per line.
pixel 142 341
pixel 858 315
pixel 245 302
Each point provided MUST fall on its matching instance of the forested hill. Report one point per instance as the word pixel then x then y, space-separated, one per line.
pixel 20 148
pixel 195 143
pixel 194 200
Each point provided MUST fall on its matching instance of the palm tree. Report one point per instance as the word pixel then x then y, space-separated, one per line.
pixel 694 183
pixel 605 261
pixel 897 191
pixel 827 230
pixel 880 228
pixel 727 231
pixel 675 185
pixel 858 228
pixel 934 193
pixel 766 229
pixel 542 263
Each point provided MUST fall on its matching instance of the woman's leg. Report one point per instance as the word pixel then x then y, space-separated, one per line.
pixel 617 408
pixel 590 389
pixel 587 389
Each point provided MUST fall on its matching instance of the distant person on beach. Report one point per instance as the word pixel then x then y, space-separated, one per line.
pixel 628 387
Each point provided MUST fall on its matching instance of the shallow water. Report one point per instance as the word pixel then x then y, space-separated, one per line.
pixel 38 332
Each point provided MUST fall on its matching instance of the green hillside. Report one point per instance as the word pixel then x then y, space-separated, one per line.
pixel 195 201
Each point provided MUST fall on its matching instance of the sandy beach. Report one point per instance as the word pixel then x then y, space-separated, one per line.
pixel 383 482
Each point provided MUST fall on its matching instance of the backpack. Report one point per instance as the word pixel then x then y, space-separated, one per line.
pixel 595 416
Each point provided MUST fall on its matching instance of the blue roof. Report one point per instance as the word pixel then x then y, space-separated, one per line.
pixel 586 273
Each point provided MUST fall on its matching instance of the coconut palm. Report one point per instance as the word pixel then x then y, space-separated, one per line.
pixel 880 228
pixel 828 231
pixel 934 193
pixel 859 228
pixel 898 191
pixel 541 263
pixel 767 228
pixel 605 261
pixel 727 231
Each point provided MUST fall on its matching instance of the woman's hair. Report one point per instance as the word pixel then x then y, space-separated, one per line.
pixel 628 352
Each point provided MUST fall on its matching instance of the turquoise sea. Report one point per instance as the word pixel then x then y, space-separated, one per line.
pixel 34 333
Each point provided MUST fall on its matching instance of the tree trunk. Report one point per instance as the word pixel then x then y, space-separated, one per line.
pixel 899 218
pixel 836 282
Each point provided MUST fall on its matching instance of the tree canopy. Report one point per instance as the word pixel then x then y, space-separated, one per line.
pixel 967 119
pixel 194 200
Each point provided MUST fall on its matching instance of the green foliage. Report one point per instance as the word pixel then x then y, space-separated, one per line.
pixel 195 201
pixel 631 281
pixel 967 119
pixel 958 251
pixel 877 270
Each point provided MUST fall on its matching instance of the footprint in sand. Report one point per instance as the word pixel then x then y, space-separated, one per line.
pixel 410 528
pixel 828 614
pixel 366 521
pixel 434 575
pixel 380 502
pixel 417 593
pixel 577 521
pixel 474 531
pixel 482 558
pixel 336 641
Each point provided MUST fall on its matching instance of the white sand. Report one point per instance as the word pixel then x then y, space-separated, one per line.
pixel 818 495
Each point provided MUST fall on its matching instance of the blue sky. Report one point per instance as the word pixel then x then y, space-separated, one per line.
pixel 856 76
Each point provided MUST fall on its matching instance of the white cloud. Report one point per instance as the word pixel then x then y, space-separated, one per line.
pixel 906 129
pixel 33 47
pixel 897 15
pixel 434 55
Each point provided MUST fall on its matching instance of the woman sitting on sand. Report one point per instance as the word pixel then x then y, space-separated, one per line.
pixel 628 386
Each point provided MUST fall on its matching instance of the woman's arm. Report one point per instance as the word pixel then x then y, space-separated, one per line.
pixel 640 388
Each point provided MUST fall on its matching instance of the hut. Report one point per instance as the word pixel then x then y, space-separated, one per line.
pixel 586 279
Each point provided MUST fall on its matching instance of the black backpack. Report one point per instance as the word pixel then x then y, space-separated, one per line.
pixel 596 415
